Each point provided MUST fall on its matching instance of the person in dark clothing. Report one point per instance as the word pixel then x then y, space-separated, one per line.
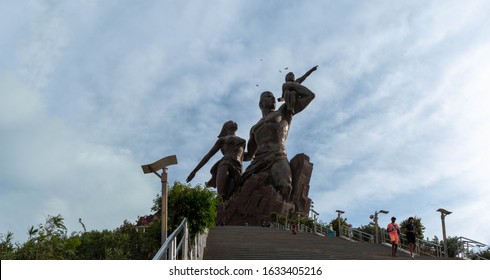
pixel 411 231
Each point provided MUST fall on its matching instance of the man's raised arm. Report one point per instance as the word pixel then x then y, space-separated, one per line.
pixel 303 97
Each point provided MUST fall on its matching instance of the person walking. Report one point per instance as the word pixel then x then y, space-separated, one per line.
pixel 411 231
pixel 394 232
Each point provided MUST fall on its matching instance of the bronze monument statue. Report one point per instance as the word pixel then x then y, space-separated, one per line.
pixel 266 146
pixel 271 183
pixel 227 171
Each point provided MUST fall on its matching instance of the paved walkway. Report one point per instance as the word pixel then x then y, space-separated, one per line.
pixel 258 243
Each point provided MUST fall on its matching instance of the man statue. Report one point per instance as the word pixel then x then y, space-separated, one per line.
pixel 266 146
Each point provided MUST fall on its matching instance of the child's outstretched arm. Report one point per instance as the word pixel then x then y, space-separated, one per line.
pixel 302 78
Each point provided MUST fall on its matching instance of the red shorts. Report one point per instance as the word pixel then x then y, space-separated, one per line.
pixel 394 238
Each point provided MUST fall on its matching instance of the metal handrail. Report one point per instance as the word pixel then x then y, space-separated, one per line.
pixel 319 229
pixel 466 246
pixel 430 248
pixel 356 234
pixel 196 252
pixel 174 248
pixel 324 230
pixel 170 248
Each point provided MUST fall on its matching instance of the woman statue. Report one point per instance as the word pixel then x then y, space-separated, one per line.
pixel 226 173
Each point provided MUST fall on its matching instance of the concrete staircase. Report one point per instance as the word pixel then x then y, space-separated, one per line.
pixel 262 243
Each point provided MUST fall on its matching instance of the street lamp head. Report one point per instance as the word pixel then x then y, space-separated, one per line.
pixel 444 211
pixel 159 164
pixel 384 211
pixel 339 211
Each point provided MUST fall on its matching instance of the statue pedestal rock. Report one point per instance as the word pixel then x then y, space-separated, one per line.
pixel 257 198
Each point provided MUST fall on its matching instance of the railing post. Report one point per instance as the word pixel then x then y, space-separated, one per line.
pixel 195 247
pixel 171 250
pixel 175 248
pixel 185 250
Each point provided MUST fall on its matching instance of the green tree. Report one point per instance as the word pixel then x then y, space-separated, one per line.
pixel 140 245
pixel 453 246
pixel 49 241
pixel 123 243
pixel 484 254
pixel 198 204
pixel 335 224
pixel 7 248
pixel 307 222
pixel 94 245
pixel 418 224
pixel 368 229
pixel 274 217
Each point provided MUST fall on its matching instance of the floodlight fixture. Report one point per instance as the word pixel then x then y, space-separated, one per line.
pixel 444 213
pixel 158 165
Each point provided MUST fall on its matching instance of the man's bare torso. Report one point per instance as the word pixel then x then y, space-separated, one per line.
pixel 271 132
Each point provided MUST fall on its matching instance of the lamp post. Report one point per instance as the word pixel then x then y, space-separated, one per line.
pixel 314 214
pixel 444 213
pixel 315 217
pixel 376 225
pixel 311 207
pixel 299 221
pixel 339 212
pixel 154 167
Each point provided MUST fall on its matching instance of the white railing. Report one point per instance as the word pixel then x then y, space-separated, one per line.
pixel 176 247
pixel 324 230
pixel 173 246
pixel 466 247
pixel 422 247
pixel 357 235
pixel 197 250
pixel 318 229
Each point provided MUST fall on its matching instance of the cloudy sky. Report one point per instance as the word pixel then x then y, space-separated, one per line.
pixel 91 90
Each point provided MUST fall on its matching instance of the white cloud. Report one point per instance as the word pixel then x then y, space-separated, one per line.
pixel 399 120
pixel 52 171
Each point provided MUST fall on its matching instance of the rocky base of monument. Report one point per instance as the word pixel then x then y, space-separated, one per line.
pixel 255 201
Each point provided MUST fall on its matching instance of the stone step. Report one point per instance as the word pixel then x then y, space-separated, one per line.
pixel 262 243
